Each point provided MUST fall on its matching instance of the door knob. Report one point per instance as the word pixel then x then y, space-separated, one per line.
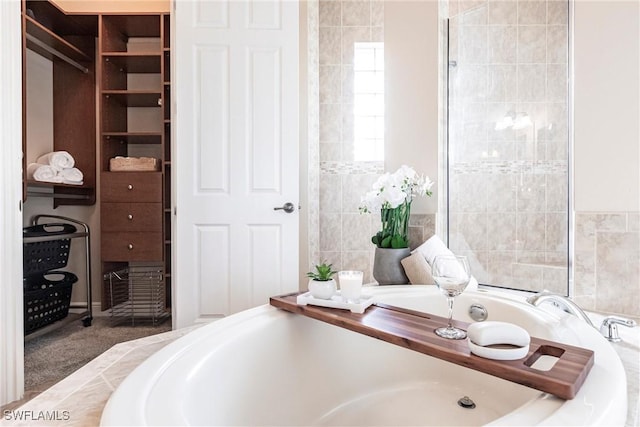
pixel 287 207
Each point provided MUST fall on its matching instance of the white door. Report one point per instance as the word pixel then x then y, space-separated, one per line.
pixel 236 155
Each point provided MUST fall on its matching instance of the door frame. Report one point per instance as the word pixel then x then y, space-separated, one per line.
pixel 11 316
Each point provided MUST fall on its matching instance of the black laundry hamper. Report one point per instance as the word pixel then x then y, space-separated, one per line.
pixel 47 292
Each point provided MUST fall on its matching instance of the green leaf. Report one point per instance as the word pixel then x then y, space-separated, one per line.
pixel 386 242
pixel 398 242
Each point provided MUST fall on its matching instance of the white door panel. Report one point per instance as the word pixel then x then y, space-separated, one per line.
pixel 236 148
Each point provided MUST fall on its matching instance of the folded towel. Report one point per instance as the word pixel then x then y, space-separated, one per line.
pixel 58 159
pixel 43 173
pixel 71 175
pixel 433 247
pixel 417 269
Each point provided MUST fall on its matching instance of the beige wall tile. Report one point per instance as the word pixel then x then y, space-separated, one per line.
pixel 467 5
pixel 532 79
pixel 377 34
pixel 477 15
pixel 330 84
pixel 500 267
pixel 501 231
pixel 354 188
pixel 473 81
pixel 348 151
pixel 377 13
pixel 530 229
pixel 531 193
pixel 557 82
pixel 330 50
pixel 503 12
pixel 332 257
pixel 347 123
pixel 359 260
pixel 330 232
pixel 531 257
pixel 472 229
pixel 502 46
pixel 556 232
pixel 528 274
pixel 347 84
pixel 330 152
pixel 633 221
pixel 330 193
pixel 584 278
pixel 532 47
pixel 557 12
pixel 557 44
pixel 502 83
pixel 557 193
pixel 355 236
pixel 473 45
pixel 330 122
pixel 501 191
pixel 330 12
pixel 356 13
pixel 618 272
pixel 532 12
pixel 555 279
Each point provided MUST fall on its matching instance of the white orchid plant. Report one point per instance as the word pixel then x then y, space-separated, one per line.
pixel 392 195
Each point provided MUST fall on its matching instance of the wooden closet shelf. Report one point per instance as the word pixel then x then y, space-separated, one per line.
pixel 415 330
pixel 47 37
pixel 143 63
pixel 134 137
pixel 132 98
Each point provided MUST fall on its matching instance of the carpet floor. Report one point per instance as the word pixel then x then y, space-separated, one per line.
pixel 51 357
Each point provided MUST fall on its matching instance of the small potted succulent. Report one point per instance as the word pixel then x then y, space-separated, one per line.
pixel 322 285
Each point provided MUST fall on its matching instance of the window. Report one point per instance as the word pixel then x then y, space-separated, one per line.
pixel 368 102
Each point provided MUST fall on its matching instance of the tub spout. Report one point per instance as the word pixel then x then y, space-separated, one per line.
pixel 561 302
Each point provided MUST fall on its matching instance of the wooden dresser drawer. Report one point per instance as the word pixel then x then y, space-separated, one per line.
pixel 131 187
pixel 131 246
pixel 131 217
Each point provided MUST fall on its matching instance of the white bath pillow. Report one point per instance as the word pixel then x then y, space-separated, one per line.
pixel 431 248
pixel 417 270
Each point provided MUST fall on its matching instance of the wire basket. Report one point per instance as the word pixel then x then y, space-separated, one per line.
pixel 47 255
pixel 137 294
pixel 47 298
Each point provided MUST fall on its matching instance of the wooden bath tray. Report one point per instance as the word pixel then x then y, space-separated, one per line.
pixel 414 330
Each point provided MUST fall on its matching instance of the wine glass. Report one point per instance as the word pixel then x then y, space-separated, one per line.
pixel 451 273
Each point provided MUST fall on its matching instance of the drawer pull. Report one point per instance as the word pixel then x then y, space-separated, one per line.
pixel 129 187
pixel 130 247
pixel 130 217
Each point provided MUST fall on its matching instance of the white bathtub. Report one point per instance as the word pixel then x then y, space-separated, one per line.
pixel 268 367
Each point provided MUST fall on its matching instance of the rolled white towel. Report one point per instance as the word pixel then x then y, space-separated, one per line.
pixel 43 173
pixel 71 176
pixel 58 159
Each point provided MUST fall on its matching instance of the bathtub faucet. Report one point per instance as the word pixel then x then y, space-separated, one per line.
pixel 609 327
pixel 561 302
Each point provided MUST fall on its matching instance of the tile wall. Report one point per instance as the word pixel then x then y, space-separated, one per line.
pixel 508 140
pixel 344 233
pixel 607 262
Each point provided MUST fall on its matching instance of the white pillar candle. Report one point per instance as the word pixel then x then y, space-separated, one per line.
pixel 350 285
